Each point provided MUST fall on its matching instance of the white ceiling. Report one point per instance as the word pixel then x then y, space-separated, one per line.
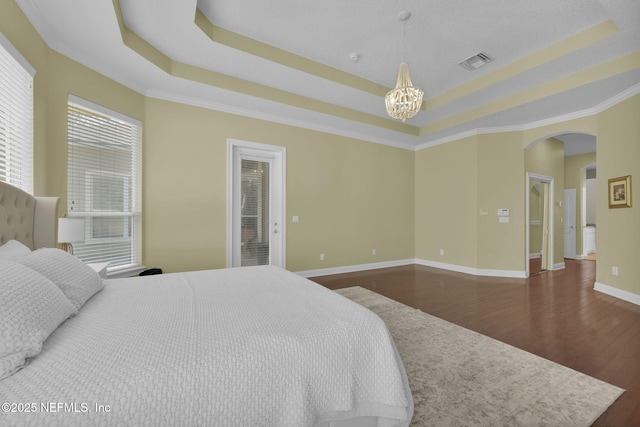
pixel 577 143
pixel 439 35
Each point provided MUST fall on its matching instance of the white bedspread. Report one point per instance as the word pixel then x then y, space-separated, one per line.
pixel 254 346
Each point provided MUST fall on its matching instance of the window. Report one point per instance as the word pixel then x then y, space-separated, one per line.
pixel 16 118
pixel 107 227
pixel 103 183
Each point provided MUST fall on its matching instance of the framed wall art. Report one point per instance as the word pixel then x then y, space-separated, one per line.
pixel 620 192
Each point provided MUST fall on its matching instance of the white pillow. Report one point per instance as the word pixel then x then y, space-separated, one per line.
pixel 13 249
pixel 77 281
pixel 31 307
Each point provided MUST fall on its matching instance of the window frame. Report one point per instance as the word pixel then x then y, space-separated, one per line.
pixel 18 157
pixel 132 209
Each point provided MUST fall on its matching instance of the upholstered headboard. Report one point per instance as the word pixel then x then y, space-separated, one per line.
pixel 32 221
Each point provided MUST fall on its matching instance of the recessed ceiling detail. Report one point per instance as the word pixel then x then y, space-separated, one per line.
pixel 290 61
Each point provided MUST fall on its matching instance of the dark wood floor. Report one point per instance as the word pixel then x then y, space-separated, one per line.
pixel 556 315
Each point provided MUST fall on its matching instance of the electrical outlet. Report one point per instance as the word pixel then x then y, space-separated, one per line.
pixel 321 257
pixel 373 252
pixel 614 270
pixel 441 251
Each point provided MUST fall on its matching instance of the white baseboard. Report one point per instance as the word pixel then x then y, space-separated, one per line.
pixel 535 255
pixel 618 293
pixel 444 266
pixel 600 287
pixel 473 271
pixel 353 268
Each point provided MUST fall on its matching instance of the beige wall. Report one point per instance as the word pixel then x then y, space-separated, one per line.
pixel 501 184
pixel 547 158
pixel 618 230
pixel 457 181
pixel 446 203
pixel 352 196
pixel 67 77
pixel 56 77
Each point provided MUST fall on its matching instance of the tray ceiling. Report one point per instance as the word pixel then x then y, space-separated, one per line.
pixel 292 61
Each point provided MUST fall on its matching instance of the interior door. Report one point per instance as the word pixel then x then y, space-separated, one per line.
pixel 539 217
pixel 569 221
pixel 547 259
pixel 536 200
pixel 257 214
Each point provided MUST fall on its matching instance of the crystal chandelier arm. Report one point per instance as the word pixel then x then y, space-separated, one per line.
pixel 404 79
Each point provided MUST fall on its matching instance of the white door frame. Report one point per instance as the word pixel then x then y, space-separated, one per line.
pixel 548 254
pixel 570 213
pixel 583 206
pixel 233 226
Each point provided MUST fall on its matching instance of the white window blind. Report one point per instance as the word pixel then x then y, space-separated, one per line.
pixel 104 184
pixel 255 211
pixel 16 118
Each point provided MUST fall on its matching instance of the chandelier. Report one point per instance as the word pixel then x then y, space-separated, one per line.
pixel 405 100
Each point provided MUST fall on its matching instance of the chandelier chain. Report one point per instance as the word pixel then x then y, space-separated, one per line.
pixel 404 41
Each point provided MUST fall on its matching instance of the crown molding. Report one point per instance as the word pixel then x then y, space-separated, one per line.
pixel 246 112
pixel 52 41
pixel 35 17
pixel 616 99
pixel 197 102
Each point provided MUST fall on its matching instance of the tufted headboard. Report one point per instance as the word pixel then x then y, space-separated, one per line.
pixel 32 221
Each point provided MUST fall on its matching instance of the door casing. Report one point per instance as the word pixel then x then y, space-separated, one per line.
pixel 569 222
pixel 548 251
pixel 278 154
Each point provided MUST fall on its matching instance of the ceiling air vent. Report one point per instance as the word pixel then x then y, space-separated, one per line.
pixel 476 61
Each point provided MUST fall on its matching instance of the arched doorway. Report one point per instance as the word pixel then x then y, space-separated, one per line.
pixel 580 176
pixel 565 157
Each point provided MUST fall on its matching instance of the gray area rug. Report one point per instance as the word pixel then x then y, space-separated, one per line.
pixel 462 378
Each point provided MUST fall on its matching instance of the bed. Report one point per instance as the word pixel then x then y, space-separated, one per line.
pixel 252 346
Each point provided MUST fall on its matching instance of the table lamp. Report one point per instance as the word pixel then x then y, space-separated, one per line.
pixel 70 230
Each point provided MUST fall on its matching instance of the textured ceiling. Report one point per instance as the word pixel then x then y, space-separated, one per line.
pixel 290 60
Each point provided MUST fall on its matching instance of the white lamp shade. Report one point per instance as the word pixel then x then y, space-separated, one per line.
pixel 70 230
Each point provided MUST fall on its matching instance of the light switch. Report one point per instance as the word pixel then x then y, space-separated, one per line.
pixel 296 218
pixel 504 219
